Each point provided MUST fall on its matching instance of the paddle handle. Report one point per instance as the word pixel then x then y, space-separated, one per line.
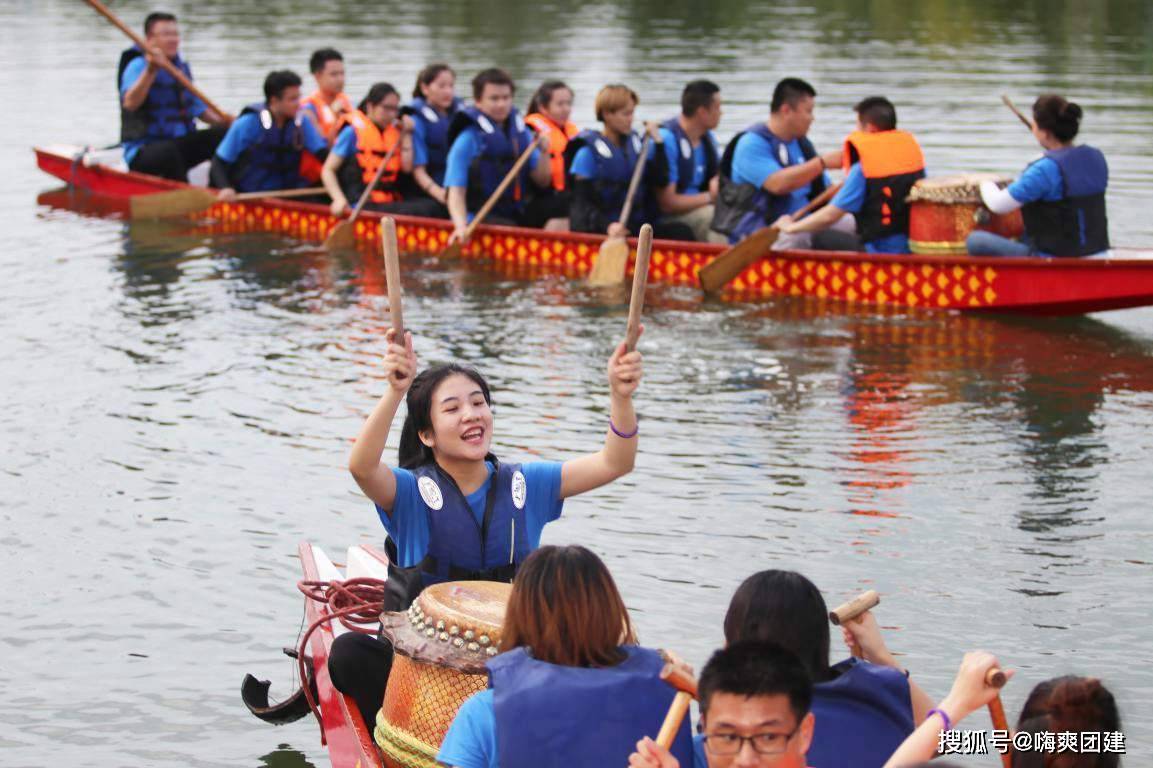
pixel 375 180
pixel 1020 116
pixel 676 714
pixel 855 607
pixel 640 280
pixel 635 181
pixel 1000 723
pixel 392 276
pixel 818 201
pixel 305 192
pixel 496 195
pixel 167 65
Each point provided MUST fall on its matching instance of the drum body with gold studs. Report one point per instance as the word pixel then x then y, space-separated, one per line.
pixel 441 645
pixel 944 211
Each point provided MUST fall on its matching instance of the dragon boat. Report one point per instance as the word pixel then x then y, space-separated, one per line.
pixel 1027 285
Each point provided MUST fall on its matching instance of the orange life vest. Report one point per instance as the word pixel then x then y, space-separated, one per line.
pixel 891 162
pixel 372 145
pixel 326 120
pixel 558 138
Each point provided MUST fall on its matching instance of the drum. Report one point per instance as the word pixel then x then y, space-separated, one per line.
pixel 442 643
pixel 944 211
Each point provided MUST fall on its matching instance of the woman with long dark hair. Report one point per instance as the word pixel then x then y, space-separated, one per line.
pixel 571 687
pixel 451 509
pixel 870 700
pixel 433 106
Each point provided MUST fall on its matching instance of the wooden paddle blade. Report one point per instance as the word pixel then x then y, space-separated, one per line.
pixel 178 202
pixel 610 263
pixel 717 273
pixel 342 237
pixel 452 251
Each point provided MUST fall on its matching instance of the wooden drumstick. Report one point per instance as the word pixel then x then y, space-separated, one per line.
pixel 392 275
pixel 852 609
pixel 680 678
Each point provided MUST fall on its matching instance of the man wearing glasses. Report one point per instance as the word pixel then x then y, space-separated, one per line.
pixel 755 700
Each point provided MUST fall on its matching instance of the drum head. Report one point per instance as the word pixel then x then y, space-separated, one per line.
pixel 960 188
pixel 456 624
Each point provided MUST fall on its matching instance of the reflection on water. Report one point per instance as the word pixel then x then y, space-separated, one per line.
pixel 179 404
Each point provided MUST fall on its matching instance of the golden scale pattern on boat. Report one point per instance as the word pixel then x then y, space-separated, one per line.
pixel 876 282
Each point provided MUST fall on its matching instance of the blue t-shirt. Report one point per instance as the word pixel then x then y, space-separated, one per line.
pixel 408 524
pixel 246 129
pixel 584 163
pixel 1041 182
pixel 345 145
pixel 850 200
pixel 754 162
pixel 471 739
pixel 700 162
pixel 461 154
pixel 133 72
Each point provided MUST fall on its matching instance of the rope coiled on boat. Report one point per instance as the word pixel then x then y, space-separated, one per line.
pixel 356 603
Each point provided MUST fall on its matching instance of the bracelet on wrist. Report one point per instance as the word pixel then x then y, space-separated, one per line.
pixel 948 721
pixel 624 435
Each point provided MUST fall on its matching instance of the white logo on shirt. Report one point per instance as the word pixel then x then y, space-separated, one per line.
pixel 636 144
pixel 266 119
pixel 603 149
pixel 519 124
pixel 430 492
pixel 783 154
pixel 686 148
pixel 484 123
pixel 519 489
pixel 430 114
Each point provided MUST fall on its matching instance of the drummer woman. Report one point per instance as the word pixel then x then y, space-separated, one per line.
pixel 570 686
pixel 434 104
pixel 1061 195
pixel 451 509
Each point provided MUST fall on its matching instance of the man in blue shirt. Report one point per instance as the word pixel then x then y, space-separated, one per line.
pixel 772 168
pixel 693 159
pixel 262 149
pixel 486 141
pixel 157 115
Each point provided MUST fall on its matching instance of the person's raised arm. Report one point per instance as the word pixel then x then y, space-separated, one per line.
pixel 864 633
pixel 970 692
pixel 619 453
pixel 373 476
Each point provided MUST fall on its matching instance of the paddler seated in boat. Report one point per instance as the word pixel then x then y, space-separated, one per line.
pixel 756 712
pixel 869 701
pixel 485 141
pixel 772 169
pixel 157 116
pixel 434 104
pixel 447 483
pixel 881 166
pixel 364 138
pixel 1061 195
pixel 602 167
pixel 548 113
pixel 571 686
pixel 326 105
pixel 262 149
pixel 693 157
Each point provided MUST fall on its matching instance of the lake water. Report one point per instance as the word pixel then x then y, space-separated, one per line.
pixel 178 407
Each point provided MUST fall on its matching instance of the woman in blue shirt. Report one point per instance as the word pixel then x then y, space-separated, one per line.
pixel 452 510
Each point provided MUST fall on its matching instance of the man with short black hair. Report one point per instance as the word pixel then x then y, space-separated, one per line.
pixel 755 699
pixel 693 158
pixel 157 115
pixel 326 104
pixel 772 169
pixel 881 166
pixel 262 150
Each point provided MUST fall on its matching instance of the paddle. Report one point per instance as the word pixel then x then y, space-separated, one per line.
pixel 609 265
pixel 995 678
pixel 163 62
pixel 640 280
pixel 183 201
pixel 680 678
pixel 717 273
pixel 343 235
pixel 453 250
pixel 392 276
pixel 1028 123
pixel 852 609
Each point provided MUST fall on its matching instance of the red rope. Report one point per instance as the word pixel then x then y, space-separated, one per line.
pixel 357 603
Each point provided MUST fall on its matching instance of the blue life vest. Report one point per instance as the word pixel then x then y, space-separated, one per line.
pixel 273 160
pixel 552 716
pixel 614 172
pixel 500 146
pixel 686 160
pixel 435 128
pixel 164 113
pixel 1077 224
pixel 866 705
pixel 742 208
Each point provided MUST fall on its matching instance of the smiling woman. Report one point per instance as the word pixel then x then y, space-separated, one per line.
pixel 452 510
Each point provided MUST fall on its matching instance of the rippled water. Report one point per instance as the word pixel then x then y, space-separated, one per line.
pixel 178 407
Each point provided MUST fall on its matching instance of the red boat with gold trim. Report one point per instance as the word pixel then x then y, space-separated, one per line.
pixel 1022 285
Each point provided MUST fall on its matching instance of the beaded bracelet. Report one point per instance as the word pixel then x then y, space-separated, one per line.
pixel 944 716
pixel 625 435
